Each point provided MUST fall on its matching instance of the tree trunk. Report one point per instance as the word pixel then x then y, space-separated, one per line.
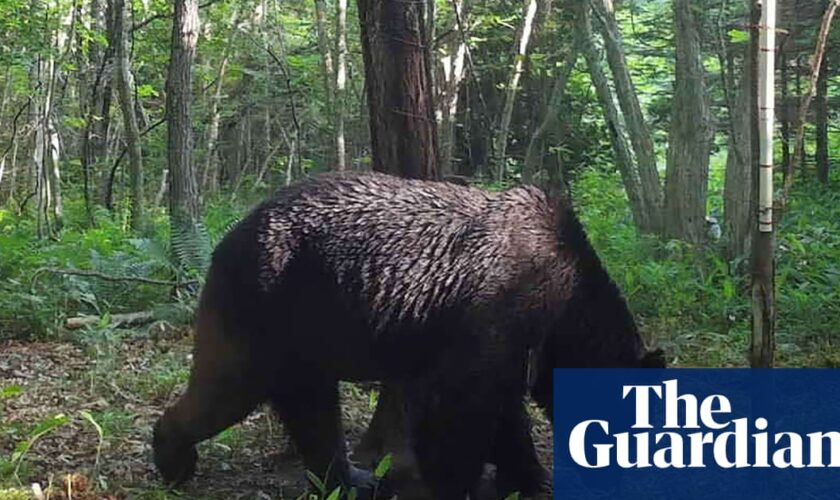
pixel 183 196
pixel 210 174
pixel 640 136
pixel 399 94
pixel 689 140
pixel 454 69
pixel 738 182
pixel 786 114
pixel 536 146
pixel 763 338
pixel 621 150
pixel 326 51
pixel 125 90
pixel 4 99
pixel 816 64
pixel 340 84
pixel 821 123
pixel 529 13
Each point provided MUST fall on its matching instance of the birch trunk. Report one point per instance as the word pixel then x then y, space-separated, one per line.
pixel 325 50
pixel 529 13
pixel 7 81
pixel 763 341
pixel 340 84
pixel 449 82
pixel 40 111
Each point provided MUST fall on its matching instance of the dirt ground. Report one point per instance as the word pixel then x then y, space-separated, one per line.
pixel 123 382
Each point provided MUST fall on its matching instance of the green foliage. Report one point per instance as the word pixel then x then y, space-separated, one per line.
pixel 11 466
pixel 704 318
pixel 37 305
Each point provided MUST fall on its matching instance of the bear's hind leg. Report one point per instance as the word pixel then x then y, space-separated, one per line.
pixel 518 467
pixel 310 411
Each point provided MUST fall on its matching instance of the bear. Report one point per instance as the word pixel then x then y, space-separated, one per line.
pixel 438 289
pixel 581 342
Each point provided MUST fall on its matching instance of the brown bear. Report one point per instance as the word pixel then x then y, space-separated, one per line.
pixel 438 289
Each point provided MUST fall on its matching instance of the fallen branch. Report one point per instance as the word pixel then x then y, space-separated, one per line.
pixel 134 318
pixel 108 277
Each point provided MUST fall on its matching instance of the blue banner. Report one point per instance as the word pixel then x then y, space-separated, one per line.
pixel 696 433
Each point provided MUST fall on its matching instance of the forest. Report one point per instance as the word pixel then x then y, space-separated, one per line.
pixel 134 135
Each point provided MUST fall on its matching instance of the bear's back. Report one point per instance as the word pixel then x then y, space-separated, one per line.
pixel 406 248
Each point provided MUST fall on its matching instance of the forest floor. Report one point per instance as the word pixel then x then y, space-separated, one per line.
pixel 123 385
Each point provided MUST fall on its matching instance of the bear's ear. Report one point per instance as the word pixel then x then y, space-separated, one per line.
pixel 653 359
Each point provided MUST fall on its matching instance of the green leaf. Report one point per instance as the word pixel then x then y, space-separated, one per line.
pixel 317 482
pixel 334 494
pixel 383 466
pixel 728 289
pixel 738 36
pixel 10 391
pixel 147 90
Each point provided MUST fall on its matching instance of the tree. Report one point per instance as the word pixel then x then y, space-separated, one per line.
pixel 821 122
pixel 453 66
pixel 536 146
pixel 763 341
pixel 125 90
pixel 637 129
pixel 183 195
pixel 739 176
pixel 340 83
pixel 816 65
pixel 529 13
pixel 690 135
pixel 585 40
pixel 399 93
pixel 325 50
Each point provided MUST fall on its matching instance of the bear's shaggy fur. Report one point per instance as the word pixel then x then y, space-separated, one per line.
pixel 439 289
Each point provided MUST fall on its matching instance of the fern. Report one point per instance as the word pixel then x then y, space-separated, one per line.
pixel 191 249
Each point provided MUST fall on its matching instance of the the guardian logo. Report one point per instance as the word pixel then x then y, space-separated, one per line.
pixel 696 434
pixel 712 427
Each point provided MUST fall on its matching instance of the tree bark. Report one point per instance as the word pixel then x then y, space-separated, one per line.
pixel 637 129
pixel 739 217
pixel 763 338
pixel 340 83
pixel 326 51
pixel 449 82
pixel 621 150
pixel 785 115
pixel 4 100
pixel 689 140
pixel 399 93
pixel 42 115
pixel 183 197
pixel 529 13
pixel 821 123
pixel 125 90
